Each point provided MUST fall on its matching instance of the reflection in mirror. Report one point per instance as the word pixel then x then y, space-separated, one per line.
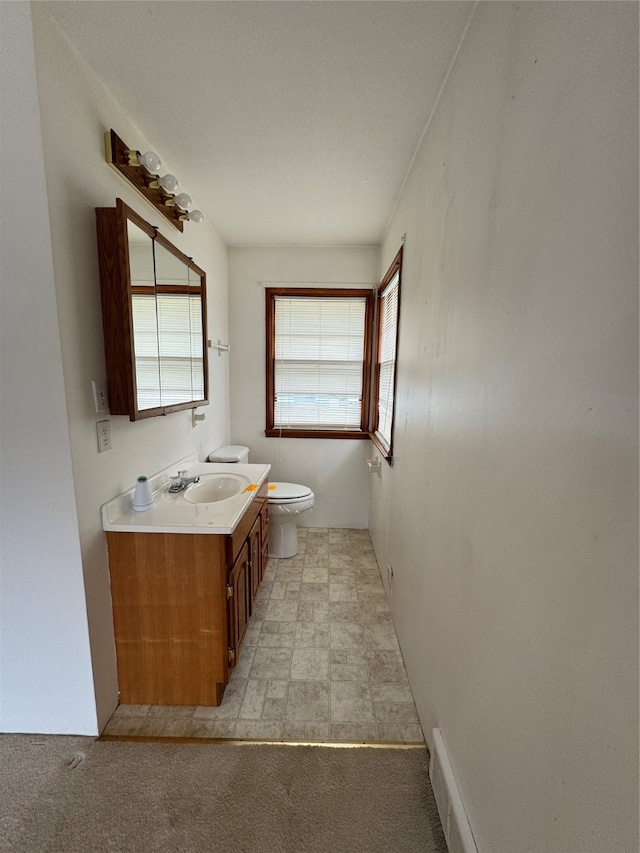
pixel 174 327
pixel 145 327
pixel 197 335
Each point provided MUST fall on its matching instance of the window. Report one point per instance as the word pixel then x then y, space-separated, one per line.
pixel 384 380
pixel 318 362
pixel 331 371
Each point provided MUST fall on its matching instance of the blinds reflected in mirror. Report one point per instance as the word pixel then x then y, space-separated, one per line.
pixel 169 348
pixel 146 350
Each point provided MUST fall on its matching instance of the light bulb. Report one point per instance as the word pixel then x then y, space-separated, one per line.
pixel 150 161
pixel 169 183
pixel 183 201
pixel 195 216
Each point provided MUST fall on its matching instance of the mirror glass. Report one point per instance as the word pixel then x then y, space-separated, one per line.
pixel 167 324
pixel 145 327
pixel 174 327
pixel 197 335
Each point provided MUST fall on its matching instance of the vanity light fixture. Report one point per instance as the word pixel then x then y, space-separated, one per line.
pixel 142 170
pixel 192 216
pixel 181 200
pixel 169 183
pixel 150 160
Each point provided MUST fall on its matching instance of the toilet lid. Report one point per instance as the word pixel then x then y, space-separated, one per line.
pixel 283 492
pixel 228 453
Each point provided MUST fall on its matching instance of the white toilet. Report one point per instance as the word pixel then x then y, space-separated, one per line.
pixel 286 502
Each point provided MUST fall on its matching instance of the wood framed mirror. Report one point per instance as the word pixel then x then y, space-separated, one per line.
pixel 154 318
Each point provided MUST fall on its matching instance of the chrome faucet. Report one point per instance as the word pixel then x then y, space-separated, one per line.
pixel 181 481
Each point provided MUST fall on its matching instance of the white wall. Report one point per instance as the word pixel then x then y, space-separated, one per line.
pixel 510 516
pixel 46 681
pixel 76 109
pixel 334 469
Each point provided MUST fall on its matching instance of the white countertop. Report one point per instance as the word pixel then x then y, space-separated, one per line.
pixel 173 513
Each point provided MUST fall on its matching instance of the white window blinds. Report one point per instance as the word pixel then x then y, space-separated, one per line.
pixel 319 357
pixel 387 337
pixel 168 345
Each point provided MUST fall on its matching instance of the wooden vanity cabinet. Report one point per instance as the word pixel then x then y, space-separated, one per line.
pixel 255 558
pixel 181 605
pixel 264 538
pixel 239 598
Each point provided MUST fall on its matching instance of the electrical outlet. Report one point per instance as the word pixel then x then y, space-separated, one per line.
pixel 100 398
pixel 104 436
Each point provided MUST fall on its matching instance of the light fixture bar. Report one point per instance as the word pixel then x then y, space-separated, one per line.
pixel 149 185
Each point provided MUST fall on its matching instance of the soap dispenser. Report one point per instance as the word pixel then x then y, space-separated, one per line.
pixel 142 497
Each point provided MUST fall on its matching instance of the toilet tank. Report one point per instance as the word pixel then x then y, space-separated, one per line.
pixel 230 453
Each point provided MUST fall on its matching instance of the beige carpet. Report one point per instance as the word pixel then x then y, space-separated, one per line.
pixel 79 795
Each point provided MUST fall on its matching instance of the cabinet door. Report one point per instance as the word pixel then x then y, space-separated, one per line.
pixel 255 538
pixel 264 537
pixel 170 617
pixel 238 599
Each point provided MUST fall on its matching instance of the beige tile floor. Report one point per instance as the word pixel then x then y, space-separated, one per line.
pixel 320 660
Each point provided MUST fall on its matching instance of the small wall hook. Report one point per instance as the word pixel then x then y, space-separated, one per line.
pixel 195 418
pixel 374 465
pixel 219 346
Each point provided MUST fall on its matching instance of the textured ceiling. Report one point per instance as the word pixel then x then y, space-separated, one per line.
pixel 289 123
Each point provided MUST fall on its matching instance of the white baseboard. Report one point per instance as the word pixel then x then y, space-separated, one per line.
pixel 453 817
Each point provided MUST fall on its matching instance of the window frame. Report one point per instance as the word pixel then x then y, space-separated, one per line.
pixel 271 293
pixel 386 452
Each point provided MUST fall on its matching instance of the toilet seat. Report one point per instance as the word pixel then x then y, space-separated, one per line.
pixel 283 493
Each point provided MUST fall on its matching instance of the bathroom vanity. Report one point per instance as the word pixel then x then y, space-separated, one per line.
pixel 184 577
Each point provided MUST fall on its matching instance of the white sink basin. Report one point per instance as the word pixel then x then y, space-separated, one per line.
pixel 214 488
pixel 205 507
